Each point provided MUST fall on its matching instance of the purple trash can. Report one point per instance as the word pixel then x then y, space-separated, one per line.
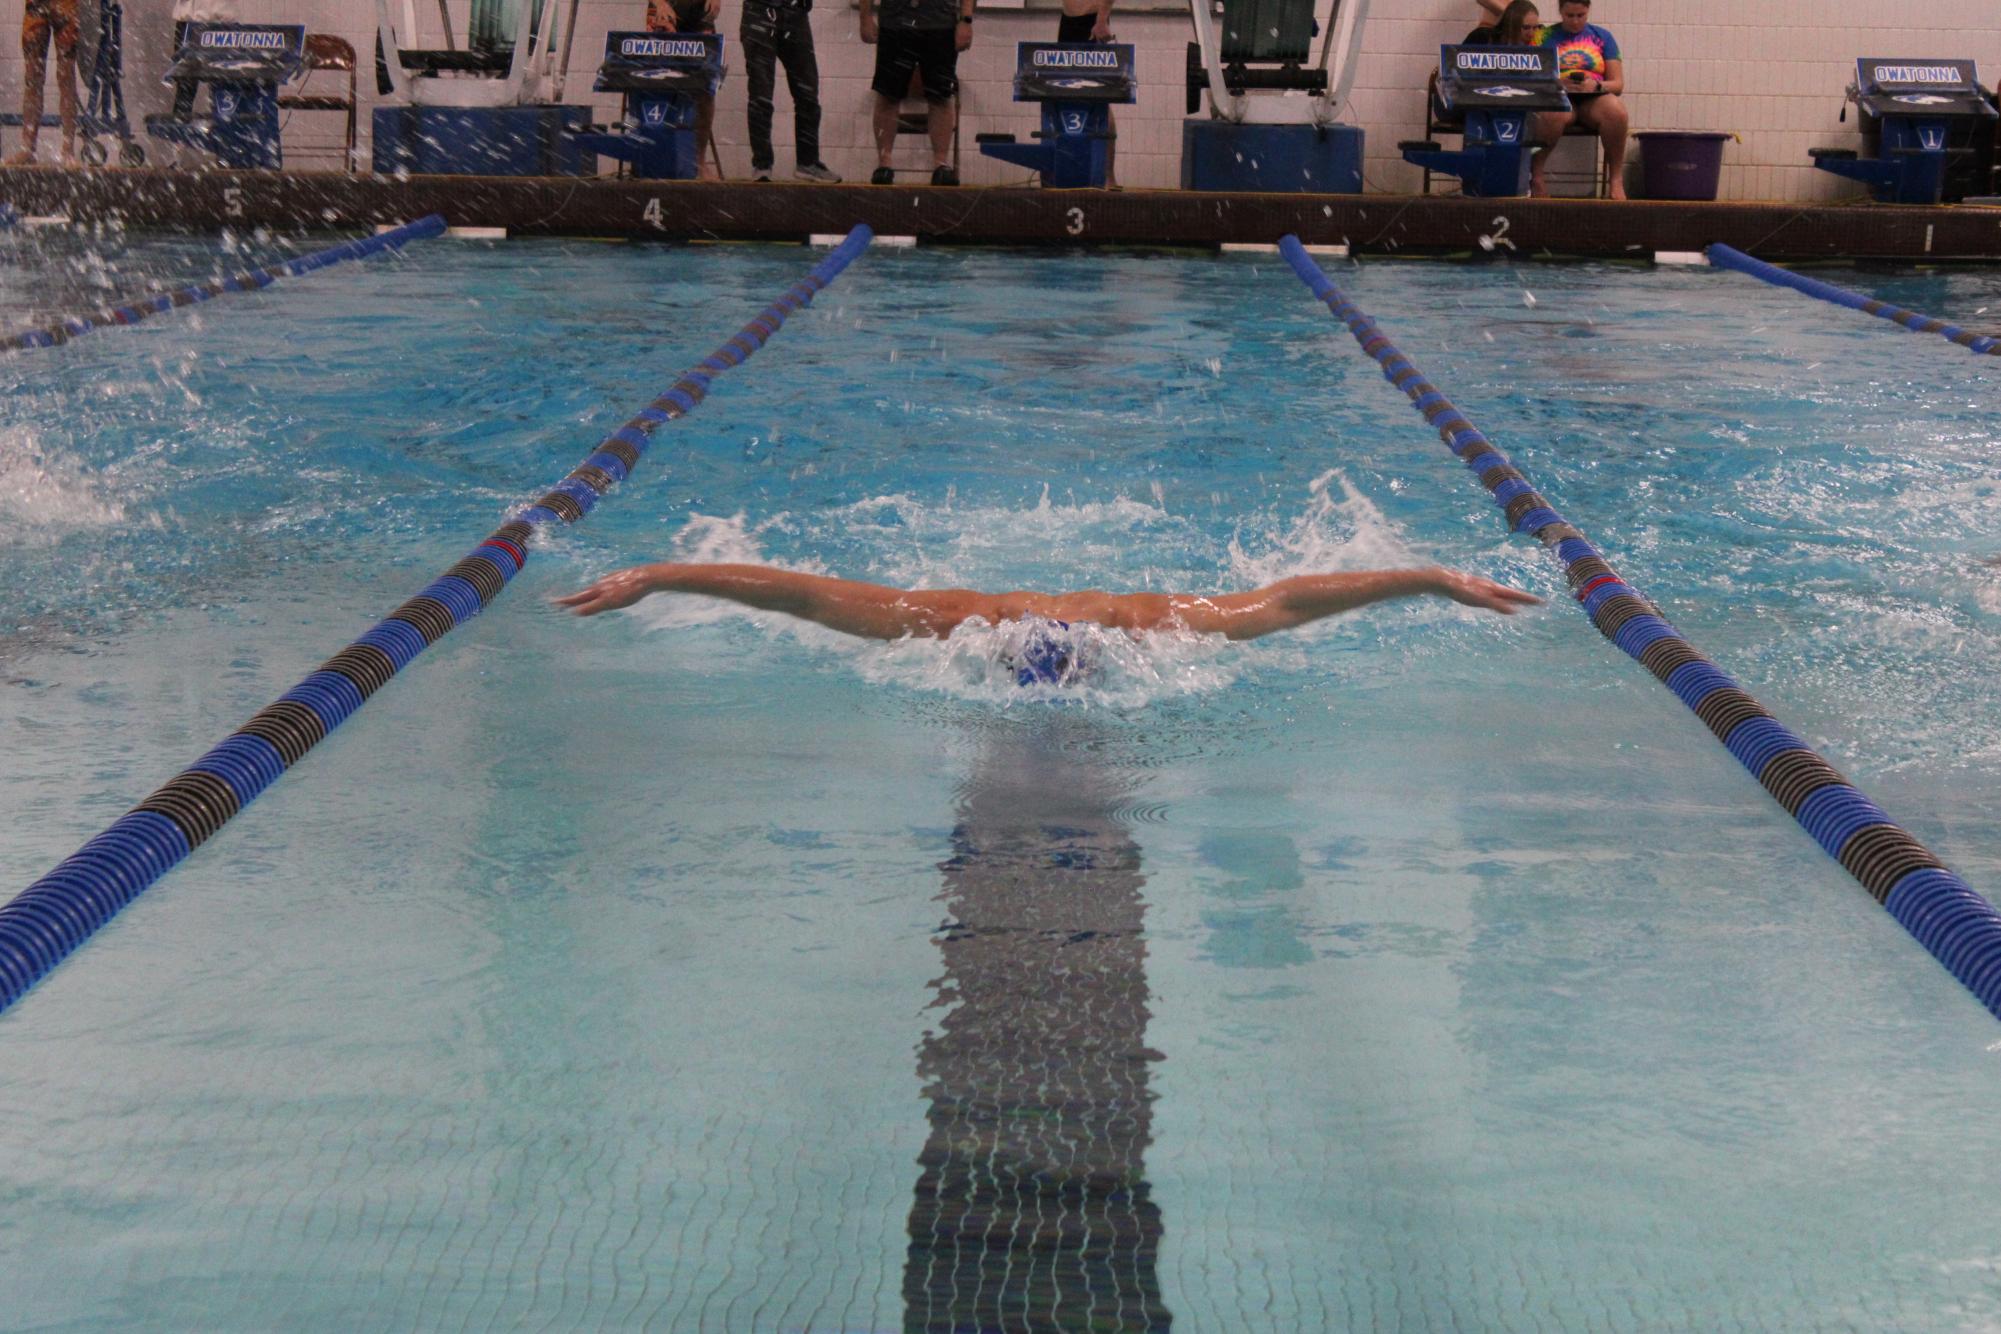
pixel 1681 164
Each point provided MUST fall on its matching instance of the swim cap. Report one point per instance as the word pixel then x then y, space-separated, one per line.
pixel 1044 656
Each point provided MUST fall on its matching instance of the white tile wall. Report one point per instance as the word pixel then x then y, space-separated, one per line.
pixel 1771 71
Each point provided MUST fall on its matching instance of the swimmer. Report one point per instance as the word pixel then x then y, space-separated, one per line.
pixel 876 611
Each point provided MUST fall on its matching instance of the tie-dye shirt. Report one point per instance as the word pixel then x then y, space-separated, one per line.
pixel 1589 50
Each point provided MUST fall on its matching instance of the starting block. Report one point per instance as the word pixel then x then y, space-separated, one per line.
pixel 1497 89
pixel 1076 83
pixel 661 76
pixel 242 64
pixel 1922 109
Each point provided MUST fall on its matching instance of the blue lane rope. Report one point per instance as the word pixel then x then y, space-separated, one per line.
pixel 1723 257
pixel 248 281
pixel 1959 927
pixel 50 918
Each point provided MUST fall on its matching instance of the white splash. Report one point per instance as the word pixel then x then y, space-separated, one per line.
pixel 1116 670
pixel 943 544
pixel 1344 532
pixel 714 539
pixel 1122 671
pixel 948 545
pixel 44 496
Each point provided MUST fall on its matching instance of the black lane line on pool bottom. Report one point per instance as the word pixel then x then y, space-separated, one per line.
pixel 249 281
pixel 1724 257
pixel 1958 926
pixel 42 924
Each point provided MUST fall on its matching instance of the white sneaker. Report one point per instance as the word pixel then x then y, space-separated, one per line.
pixel 760 173
pixel 816 171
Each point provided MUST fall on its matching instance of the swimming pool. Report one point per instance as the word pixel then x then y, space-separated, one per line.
pixel 691 970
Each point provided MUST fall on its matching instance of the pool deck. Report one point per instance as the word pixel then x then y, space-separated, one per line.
pixel 745 211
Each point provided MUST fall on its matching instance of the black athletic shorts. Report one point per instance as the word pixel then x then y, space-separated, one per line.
pixel 934 52
pixel 1076 27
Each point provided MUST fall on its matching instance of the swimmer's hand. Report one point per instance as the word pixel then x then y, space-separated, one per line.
pixel 1473 591
pixel 619 589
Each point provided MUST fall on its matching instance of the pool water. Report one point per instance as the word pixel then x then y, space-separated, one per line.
pixel 689 969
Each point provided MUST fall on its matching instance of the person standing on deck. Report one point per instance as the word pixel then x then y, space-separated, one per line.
pixel 1091 21
pixel 775 31
pixel 43 22
pixel 692 16
pixel 917 39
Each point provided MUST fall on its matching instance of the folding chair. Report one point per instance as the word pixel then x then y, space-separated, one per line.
pixel 327 52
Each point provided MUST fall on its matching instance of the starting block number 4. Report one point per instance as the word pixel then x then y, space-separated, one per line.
pixel 651 215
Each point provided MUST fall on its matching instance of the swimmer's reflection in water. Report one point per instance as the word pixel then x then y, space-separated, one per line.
pixel 876 611
pixel 1032 1209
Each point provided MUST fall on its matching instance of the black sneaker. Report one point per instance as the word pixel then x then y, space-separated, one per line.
pixel 882 176
pixel 944 176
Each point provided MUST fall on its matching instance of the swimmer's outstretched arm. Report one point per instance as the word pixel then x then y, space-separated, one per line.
pixel 877 611
pixel 872 611
pixel 1310 597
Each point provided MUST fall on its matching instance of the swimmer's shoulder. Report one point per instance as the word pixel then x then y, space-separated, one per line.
pixel 1095 606
pixel 1092 606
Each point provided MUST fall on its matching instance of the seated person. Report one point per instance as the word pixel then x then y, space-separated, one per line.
pixel 1587 60
pixel 1519 24
pixel 691 16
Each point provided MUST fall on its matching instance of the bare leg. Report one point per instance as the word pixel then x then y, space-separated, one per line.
pixel 885 129
pixel 1549 128
pixel 66 101
pixel 705 128
pixel 1607 115
pixel 32 75
pixel 944 115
